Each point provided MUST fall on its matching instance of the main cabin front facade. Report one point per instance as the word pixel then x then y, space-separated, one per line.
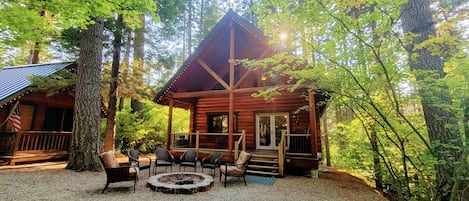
pixel 224 114
pixel 45 121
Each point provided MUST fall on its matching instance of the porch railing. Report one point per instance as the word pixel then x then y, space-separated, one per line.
pixel 205 141
pixel 293 144
pixel 241 141
pixel 298 143
pixel 34 141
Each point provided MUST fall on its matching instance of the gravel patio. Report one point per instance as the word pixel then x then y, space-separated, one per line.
pixel 50 181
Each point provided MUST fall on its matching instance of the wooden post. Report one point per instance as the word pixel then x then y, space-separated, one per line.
pixel 170 123
pixel 197 141
pixel 191 118
pixel 244 140
pixel 312 123
pixel 231 104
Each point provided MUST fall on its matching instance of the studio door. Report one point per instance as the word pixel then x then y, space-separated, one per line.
pixel 269 129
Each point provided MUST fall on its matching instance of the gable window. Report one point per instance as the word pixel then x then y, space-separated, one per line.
pixel 58 119
pixel 219 122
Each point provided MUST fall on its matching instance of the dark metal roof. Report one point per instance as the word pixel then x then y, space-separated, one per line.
pixel 250 42
pixel 14 80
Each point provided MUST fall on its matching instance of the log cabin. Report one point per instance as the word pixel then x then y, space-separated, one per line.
pixel 44 122
pixel 226 117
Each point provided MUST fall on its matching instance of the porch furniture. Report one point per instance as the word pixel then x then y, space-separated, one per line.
pixel 134 158
pixel 163 159
pixel 116 172
pixel 238 169
pixel 188 158
pixel 212 162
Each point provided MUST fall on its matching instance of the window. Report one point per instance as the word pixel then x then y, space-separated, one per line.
pixel 58 119
pixel 218 123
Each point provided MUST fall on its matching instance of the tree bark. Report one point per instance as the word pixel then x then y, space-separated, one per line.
pixel 86 124
pixel 139 48
pixel 125 75
pixel 440 119
pixel 376 160
pixel 34 53
pixel 189 28
pixel 109 137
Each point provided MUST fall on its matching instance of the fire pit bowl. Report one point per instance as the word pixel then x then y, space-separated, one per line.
pixel 180 182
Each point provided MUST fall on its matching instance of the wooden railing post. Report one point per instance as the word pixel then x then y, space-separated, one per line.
pixel 243 135
pixel 197 141
pixel 236 149
pixel 281 154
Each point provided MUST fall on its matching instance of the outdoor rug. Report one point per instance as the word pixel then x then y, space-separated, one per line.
pixel 252 179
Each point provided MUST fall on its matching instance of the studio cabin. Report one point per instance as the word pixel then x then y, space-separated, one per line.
pixel 224 114
pixel 34 126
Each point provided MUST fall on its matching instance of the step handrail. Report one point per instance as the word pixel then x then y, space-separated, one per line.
pixel 281 154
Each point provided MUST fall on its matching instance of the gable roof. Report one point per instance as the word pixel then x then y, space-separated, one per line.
pixel 214 51
pixel 14 81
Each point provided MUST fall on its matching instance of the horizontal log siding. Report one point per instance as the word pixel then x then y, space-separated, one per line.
pixel 247 106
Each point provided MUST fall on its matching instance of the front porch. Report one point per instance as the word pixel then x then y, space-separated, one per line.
pixel 26 146
pixel 294 151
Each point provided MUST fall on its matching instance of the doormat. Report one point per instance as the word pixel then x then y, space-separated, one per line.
pixel 268 181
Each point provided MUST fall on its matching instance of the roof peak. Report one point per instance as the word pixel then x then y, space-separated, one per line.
pixel 39 64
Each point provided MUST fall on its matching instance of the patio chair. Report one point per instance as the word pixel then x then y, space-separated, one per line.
pixel 134 158
pixel 212 162
pixel 237 169
pixel 163 159
pixel 188 158
pixel 115 171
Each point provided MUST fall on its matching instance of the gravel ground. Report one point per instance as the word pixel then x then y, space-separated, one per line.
pixel 50 181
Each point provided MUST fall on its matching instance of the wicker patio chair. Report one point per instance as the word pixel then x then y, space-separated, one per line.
pixel 134 158
pixel 237 169
pixel 116 172
pixel 188 158
pixel 212 162
pixel 163 159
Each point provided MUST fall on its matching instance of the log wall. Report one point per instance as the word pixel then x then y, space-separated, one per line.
pixel 246 107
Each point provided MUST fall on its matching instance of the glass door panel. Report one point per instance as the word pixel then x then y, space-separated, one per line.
pixel 269 129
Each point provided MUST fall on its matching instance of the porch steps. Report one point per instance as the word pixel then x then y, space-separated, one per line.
pixel 263 164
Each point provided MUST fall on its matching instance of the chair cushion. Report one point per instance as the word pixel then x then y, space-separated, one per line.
pixel 242 159
pixel 109 159
pixel 133 171
pixel 231 170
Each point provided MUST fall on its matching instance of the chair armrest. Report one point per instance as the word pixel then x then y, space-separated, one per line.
pixel 204 158
pixel 172 157
pixel 122 170
pixel 123 164
pixel 182 156
pixel 133 158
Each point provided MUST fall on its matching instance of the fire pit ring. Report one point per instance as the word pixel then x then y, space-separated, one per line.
pixel 180 182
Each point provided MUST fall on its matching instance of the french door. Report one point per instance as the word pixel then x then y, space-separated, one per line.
pixel 269 129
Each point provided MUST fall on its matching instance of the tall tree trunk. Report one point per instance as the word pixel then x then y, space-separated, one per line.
pixel 125 75
pixel 139 39
pixel 376 160
pixel 34 53
pixel 440 119
pixel 326 139
pixel 201 20
pixel 109 137
pixel 86 119
pixel 189 28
